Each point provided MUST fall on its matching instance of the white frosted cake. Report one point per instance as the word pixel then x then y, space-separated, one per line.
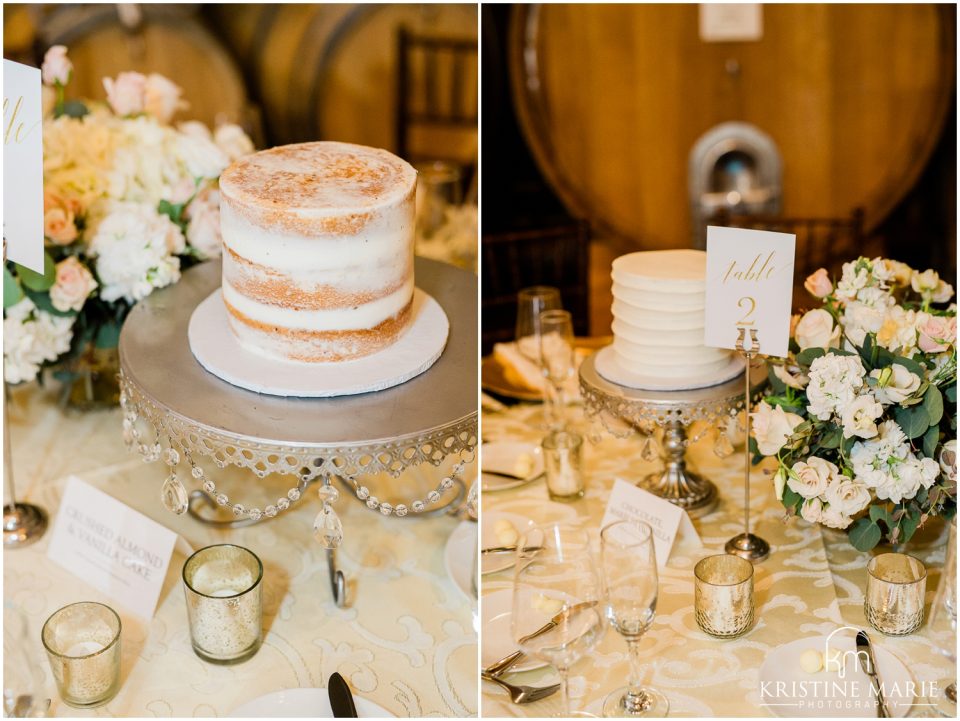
pixel 318 250
pixel 658 310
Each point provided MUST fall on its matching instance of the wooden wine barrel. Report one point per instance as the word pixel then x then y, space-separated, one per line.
pixel 328 71
pixel 611 98
pixel 170 40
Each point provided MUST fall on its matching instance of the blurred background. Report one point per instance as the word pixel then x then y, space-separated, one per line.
pixel 615 128
pixel 400 77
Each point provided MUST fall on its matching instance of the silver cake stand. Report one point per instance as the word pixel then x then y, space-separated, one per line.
pixel 193 414
pixel 672 411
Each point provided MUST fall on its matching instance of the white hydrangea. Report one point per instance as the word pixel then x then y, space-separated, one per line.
pixel 887 465
pixel 32 337
pixel 135 249
pixel 835 381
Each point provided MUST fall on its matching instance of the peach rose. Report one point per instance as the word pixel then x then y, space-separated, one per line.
pixel 936 333
pixel 56 66
pixel 818 284
pixel 126 93
pixel 161 97
pixel 73 285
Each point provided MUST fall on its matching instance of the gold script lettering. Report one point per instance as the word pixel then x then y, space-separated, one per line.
pixel 753 273
pixel 13 120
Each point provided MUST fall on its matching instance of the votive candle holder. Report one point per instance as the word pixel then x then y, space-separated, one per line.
pixel 723 595
pixel 563 461
pixel 224 596
pixel 896 586
pixel 82 641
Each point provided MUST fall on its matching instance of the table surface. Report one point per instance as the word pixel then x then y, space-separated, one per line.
pixel 407 641
pixel 811 584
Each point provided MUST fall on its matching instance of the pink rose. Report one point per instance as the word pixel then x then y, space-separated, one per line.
pixel 936 333
pixel 126 93
pixel 73 285
pixel 56 66
pixel 818 284
pixel 161 97
pixel 203 232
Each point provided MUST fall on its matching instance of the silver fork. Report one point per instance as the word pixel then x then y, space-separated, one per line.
pixel 523 694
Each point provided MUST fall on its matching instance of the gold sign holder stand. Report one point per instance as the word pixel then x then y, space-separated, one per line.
pixel 747 545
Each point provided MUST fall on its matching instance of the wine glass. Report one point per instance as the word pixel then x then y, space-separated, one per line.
pixel 557 359
pixel 557 614
pixel 531 302
pixel 946 703
pixel 629 567
pixel 21 671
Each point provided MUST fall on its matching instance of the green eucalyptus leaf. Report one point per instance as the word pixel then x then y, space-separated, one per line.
pixel 74 109
pixel 865 534
pixel 12 292
pixel 908 526
pixel 880 513
pixel 778 385
pixel 41 299
pixel 832 438
pixel 39 281
pixel 914 420
pixel 933 403
pixel 108 335
pixel 951 393
pixel 930 440
pixel 809 355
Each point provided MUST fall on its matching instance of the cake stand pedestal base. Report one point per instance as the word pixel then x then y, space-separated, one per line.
pixel 692 492
pixel 749 547
pixel 23 523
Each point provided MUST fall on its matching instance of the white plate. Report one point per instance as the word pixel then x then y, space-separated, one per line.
pixel 493 562
pixel 302 703
pixel 829 694
pixel 458 556
pixel 496 612
pixel 217 349
pixel 502 458
pixel 607 366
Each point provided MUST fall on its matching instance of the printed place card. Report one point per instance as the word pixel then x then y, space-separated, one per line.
pixel 669 522
pixel 749 286
pixel 23 165
pixel 112 547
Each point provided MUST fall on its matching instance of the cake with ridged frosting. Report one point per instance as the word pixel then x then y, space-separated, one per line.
pixel 318 245
pixel 659 299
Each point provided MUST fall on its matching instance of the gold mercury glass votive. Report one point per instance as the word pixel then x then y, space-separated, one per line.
pixel 83 645
pixel 563 463
pixel 723 595
pixel 224 603
pixel 896 586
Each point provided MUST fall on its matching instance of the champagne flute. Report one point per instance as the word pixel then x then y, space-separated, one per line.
pixel 21 671
pixel 557 359
pixel 531 302
pixel 946 703
pixel 557 615
pixel 629 567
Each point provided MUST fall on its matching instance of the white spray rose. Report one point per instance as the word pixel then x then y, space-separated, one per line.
pixel 812 510
pixel 816 329
pixel 772 426
pixel 810 478
pixel 894 384
pixel 859 418
pixel 56 67
pixel 832 518
pixel 846 496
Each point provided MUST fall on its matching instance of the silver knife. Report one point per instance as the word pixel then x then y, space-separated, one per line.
pixel 341 700
pixel 869 667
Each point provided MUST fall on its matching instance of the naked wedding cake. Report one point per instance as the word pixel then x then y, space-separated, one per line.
pixel 658 310
pixel 318 250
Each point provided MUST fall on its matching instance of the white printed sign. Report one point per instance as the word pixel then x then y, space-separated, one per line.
pixel 668 522
pixel 112 547
pixel 731 22
pixel 749 286
pixel 22 165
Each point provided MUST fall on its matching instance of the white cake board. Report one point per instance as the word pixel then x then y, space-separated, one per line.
pixel 609 367
pixel 218 350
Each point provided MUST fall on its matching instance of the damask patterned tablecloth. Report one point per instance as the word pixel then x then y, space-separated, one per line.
pixel 407 642
pixel 811 584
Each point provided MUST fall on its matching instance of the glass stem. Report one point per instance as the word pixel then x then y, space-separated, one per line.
pixel 636 698
pixel 556 417
pixel 565 690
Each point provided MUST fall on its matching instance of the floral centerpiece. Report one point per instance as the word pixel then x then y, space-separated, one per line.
pixel 863 415
pixel 130 201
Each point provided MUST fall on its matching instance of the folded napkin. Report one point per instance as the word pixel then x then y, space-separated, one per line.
pixel 521 372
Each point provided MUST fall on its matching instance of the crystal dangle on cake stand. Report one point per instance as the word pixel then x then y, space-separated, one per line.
pixel 178 413
pixel 623 411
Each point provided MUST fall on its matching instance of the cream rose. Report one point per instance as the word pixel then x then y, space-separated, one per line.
pixel 894 384
pixel 860 417
pixel 56 66
pixel 846 496
pixel 126 94
pixel 816 329
pixel 231 139
pixel 936 332
pixel 810 478
pixel 73 285
pixel 943 292
pixel 832 518
pixel 772 426
pixel 812 510
pixel 818 284
pixel 161 97
pixel 798 381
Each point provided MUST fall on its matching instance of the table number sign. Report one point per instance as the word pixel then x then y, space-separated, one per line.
pixel 22 165
pixel 112 547
pixel 668 522
pixel 750 286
